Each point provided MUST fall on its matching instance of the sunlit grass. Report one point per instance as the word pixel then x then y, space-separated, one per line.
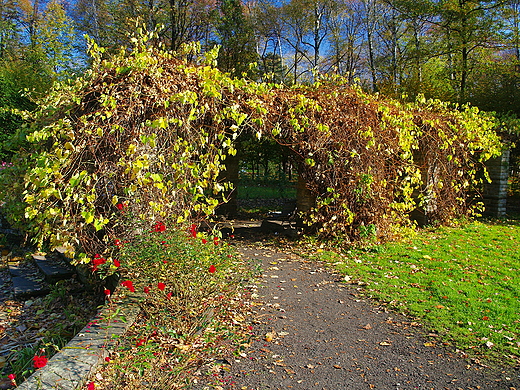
pixel 462 283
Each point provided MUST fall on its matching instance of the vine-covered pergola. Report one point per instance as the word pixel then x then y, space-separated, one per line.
pixel 144 135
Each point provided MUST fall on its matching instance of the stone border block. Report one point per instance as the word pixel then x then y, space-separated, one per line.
pixel 70 368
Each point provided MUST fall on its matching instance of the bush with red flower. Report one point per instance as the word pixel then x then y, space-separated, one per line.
pixel 180 279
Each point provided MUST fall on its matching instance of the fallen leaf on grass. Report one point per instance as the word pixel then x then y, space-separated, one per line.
pixel 429 344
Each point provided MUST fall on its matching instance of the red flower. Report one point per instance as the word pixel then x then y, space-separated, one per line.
pixel 159 227
pixel 129 285
pixel 117 263
pixel 39 361
pixel 169 295
pixel 230 256
pixel 250 327
pixel 91 386
pixel 140 342
pixel 107 292
pixel 231 236
pixel 161 286
pixel 215 240
pixel 97 261
pixel 118 243
pixel 11 376
pixel 193 230
pixel 204 241
pixel 146 290
pixel 120 206
pixel 212 269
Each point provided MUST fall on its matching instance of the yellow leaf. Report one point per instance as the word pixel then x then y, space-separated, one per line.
pixel 270 336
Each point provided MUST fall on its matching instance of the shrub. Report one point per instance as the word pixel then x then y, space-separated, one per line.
pixel 146 133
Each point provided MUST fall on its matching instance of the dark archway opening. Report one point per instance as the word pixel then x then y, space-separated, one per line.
pixel 268 190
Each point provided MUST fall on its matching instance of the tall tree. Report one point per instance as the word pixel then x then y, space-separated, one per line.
pixel 466 26
pixel 55 39
pixel 237 38
pixel 345 39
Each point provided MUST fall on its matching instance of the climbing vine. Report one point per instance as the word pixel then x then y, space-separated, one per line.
pixel 145 133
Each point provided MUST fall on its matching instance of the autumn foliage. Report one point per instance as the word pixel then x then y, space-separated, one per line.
pixel 143 136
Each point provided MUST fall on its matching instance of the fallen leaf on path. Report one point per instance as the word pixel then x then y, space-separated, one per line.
pixel 270 336
pixel 385 343
pixel 429 344
pixel 337 366
pixel 367 327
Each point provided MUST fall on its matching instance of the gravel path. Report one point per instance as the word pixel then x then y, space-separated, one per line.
pixel 325 336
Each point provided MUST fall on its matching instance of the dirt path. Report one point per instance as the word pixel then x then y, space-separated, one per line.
pixel 325 336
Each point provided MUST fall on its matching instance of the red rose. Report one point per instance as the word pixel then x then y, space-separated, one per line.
pixel 212 269
pixel 161 286
pixel 146 290
pixel 193 230
pixel 117 263
pixel 107 292
pixel 204 241
pixel 39 361
pixel 159 227
pixel 129 285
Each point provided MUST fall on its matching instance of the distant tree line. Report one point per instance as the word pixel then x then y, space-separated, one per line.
pixel 455 50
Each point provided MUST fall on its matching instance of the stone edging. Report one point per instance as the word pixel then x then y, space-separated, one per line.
pixel 70 368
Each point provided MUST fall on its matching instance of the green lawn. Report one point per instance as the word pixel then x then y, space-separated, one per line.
pixel 463 283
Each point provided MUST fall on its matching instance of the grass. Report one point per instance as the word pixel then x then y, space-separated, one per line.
pixel 462 283
pixel 266 189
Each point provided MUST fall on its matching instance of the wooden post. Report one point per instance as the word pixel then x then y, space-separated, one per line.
pixel 305 199
pixel 230 209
